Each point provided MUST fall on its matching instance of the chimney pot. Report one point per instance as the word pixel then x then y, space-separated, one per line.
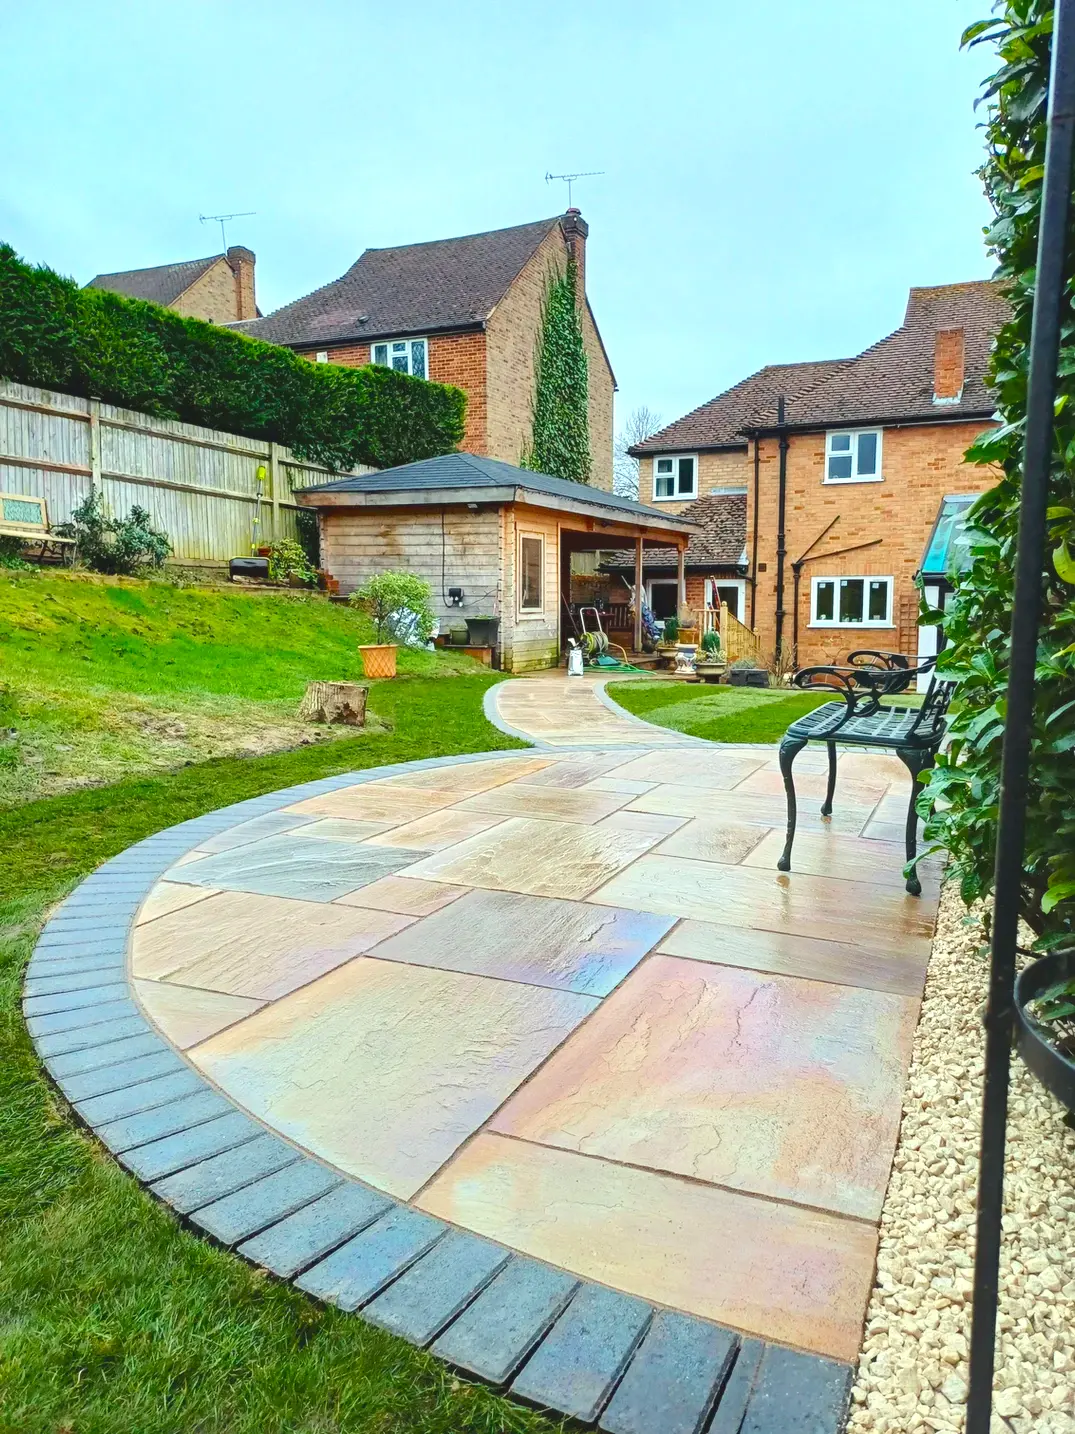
pixel 242 263
pixel 948 365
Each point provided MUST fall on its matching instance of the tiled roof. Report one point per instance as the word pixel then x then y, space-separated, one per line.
pixel 720 422
pixel 445 284
pixel 893 379
pixel 722 518
pixel 162 285
pixel 468 470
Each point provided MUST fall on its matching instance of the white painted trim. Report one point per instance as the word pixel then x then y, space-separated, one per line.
pixel 675 459
pixel 522 614
pixel 854 434
pixel 851 577
pixel 711 586
pixel 407 339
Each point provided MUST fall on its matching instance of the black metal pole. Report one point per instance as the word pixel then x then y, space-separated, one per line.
pixel 781 514
pixel 1049 299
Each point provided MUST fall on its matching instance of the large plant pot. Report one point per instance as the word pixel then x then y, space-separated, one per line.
pixel 379 659
pixel 709 671
pixel 748 677
pixel 482 631
pixel 1055 1070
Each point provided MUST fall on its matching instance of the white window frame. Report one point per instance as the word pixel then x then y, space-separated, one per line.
pixel 321 356
pixel 529 614
pixel 864 578
pixel 651 583
pixel 712 599
pixel 675 459
pixel 855 434
pixel 410 340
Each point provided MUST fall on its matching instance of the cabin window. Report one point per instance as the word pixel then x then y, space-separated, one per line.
pixel 404 355
pixel 531 573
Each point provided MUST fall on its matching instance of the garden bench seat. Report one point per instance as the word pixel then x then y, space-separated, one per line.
pixel 863 719
pixel 26 518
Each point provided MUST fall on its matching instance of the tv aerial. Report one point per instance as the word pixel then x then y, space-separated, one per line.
pixel 223 219
pixel 569 179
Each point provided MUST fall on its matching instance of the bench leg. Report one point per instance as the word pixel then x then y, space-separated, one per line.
pixel 917 760
pixel 826 810
pixel 790 748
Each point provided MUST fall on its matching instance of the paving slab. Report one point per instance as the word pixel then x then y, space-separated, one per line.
pixel 291 866
pixel 219 1175
pixel 187 1014
pixel 353 1274
pixel 434 1290
pixel 266 1201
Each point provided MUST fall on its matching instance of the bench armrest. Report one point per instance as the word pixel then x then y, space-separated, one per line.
pixel 868 657
pixel 861 688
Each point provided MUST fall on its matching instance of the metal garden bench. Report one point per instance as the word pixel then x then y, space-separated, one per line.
pixel 863 719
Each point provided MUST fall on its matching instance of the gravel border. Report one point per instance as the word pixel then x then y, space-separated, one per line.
pixel 913 1370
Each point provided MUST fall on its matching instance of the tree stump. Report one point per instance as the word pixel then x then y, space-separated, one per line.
pixel 335 702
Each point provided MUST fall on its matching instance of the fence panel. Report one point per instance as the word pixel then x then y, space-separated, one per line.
pixel 212 492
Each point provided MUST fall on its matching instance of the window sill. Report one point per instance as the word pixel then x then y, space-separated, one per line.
pixel 843 482
pixel 676 498
pixel 858 626
pixel 530 616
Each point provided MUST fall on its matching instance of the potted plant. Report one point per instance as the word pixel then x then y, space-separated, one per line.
pixel 288 564
pixel 745 672
pixel 710 665
pixel 482 631
pixel 1045 1016
pixel 401 606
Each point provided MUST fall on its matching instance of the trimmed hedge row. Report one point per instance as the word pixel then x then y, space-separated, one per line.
pixel 142 356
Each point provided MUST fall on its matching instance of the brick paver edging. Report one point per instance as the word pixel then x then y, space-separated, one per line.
pixel 544 1335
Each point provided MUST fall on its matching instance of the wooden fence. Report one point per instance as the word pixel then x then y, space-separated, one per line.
pixel 216 495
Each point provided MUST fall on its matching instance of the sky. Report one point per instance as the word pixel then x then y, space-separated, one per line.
pixel 775 173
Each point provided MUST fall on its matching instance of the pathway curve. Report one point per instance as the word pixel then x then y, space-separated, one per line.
pixel 443 1040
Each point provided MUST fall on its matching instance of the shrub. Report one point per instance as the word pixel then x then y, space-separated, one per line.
pixel 287 559
pixel 711 644
pixel 671 629
pixel 142 356
pixel 11 554
pixel 120 546
pixel 401 606
pixel 961 801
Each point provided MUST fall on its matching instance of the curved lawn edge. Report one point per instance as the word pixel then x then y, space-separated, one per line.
pixel 542 1334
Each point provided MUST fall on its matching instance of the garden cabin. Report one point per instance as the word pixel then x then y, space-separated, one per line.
pixel 492 540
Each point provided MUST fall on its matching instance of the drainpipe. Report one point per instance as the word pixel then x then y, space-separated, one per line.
pixel 754 542
pixel 781 542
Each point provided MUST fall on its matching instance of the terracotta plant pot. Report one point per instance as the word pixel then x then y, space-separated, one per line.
pixel 379 659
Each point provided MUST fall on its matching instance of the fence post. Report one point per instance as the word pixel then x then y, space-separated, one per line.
pixel 275 468
pixel 95 445
pixel 724 630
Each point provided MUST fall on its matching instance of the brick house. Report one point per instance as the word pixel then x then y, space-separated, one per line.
pixel 464 311
pixel 219 288
pixel 834 475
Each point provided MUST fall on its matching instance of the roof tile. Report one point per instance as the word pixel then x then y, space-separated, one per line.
pixel 162 285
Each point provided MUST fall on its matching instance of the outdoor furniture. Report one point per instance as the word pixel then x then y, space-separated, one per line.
pixel 26 518
pixel 863 719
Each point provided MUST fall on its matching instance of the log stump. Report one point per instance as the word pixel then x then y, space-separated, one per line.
pixel 335 702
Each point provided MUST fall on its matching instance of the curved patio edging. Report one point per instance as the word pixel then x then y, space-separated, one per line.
pixel 542 1334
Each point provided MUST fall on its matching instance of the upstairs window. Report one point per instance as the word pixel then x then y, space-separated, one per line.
pixel 851 602
pixel 853 457
pixel 404 355
pixel 675 478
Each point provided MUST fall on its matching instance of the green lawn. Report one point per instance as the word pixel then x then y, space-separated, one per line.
pixel 103 678
pixel 720 714
pixel 113 1319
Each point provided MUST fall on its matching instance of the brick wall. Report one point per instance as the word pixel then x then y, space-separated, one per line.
pixel 211 297
pixel 920 466
pixel 715 470
pixel 513 332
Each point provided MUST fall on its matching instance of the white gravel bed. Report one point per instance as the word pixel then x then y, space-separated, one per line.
pixel 912 1376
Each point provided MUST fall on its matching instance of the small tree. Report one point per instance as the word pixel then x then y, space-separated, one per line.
pixel 115 545
pixel 560 442
pixel 640 423
pixel 401 606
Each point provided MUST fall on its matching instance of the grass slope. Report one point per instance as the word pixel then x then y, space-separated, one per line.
pixel 106 677
pixel 114 1319
pixel 720 714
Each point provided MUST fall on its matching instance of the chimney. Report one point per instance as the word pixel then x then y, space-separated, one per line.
pixel 575 229
pixel 242 266
pixel 948 365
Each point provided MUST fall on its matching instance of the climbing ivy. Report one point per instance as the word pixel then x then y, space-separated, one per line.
pixel 560 443
pixel 963 794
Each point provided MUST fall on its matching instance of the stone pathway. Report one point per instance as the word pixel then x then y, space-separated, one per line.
pixel 563 1001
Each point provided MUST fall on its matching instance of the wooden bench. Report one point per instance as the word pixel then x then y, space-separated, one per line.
pixel 26 518
pixel 863 719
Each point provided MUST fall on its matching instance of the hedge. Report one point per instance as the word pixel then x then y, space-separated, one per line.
pixel 142 356
pixel 963 795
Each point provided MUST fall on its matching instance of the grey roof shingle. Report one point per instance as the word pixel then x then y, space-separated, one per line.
pixel 162 285
pixel 416 288
pixel 467 470
pixel 722 518
pixel 891 380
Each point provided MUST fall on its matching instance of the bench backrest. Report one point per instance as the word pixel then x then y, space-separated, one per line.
pixel 22 512
pixel 930 721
